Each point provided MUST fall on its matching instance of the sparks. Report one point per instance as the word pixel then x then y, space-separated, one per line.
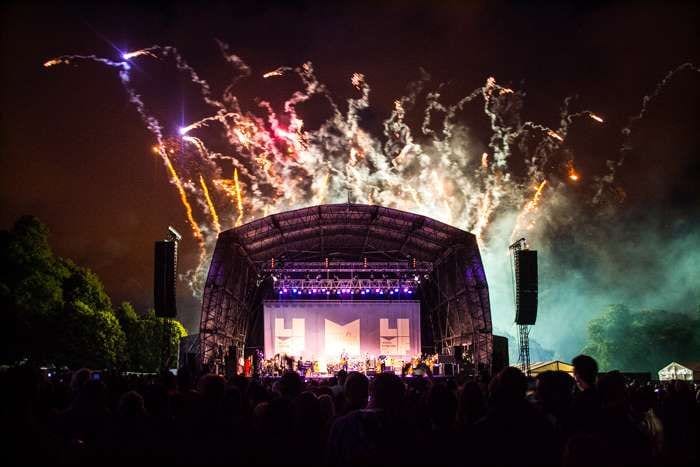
pixel 283 165
pixel 239 197
pixel 210 205
pixel 137 53
pixel 196 231
pixel 554 135
pixel 270 74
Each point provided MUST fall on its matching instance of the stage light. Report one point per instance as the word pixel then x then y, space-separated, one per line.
pixel 362 293
pixel 376 290
pixel 405 290
pixel 366 290
pixel 396 290
pixel 328 292
pixel 284 290
pixel 410 291
pixel 391 292
pixel 294 290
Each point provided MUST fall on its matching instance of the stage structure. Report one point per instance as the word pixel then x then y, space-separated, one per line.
pixel 339 268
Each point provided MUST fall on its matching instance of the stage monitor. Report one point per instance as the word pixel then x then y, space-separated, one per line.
pixel 323 330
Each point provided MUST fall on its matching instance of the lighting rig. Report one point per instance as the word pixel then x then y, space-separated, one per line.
pixel 347 279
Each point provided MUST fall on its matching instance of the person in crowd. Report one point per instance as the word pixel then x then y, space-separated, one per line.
pixel 554 397
pixel 586 409
pixel 374 436
pixel 356 392
pixel 512 422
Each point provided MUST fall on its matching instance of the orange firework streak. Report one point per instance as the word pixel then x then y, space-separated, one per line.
pixel 573 175
pixel 530 208
pixel 183 197
pixel 239 197
pixel 210 205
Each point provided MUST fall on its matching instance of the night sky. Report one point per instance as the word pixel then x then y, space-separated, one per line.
pixel 75 154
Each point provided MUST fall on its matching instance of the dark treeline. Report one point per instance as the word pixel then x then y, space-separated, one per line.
pixel 56 313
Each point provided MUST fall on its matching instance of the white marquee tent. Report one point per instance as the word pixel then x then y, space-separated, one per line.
pixel 675 371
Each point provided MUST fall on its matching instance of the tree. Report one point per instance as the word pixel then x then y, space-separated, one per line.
pixel 144 336
pixel 53 311
pixel 87 337
pixel 154 329
pixel 31 280
pixel 644 340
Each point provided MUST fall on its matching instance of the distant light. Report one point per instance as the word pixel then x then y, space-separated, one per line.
pixel 328 292
pixel 284 290
pixel 362 293
pixel 391 292
pixel 294 290
pixel 376 290
pixel 396 290
pixel 410 291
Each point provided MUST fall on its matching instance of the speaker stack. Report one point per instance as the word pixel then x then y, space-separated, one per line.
pixel 164 278
pixel 526 287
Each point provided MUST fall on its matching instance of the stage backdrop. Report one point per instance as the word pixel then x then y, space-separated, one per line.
pixel 321 330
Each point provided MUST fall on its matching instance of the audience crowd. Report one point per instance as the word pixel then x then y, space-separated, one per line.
pixel 103 419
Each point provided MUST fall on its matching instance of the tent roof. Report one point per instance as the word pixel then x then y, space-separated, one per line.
pixel 350 230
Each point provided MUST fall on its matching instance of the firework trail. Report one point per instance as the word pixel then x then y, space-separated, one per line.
pixel 210 205
pixel 606 181
pixel 439 171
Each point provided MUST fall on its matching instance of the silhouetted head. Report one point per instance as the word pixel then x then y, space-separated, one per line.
pixel 184 379
pixel 290 384
pixel 585 371
pixel 131 405
pixel 327 407
pixel 443 405
pixel 472 403
pixel 356 390
pixel 341 377
pixel 508 387
pixel 80 377
pixel 387 392
pixel 612 389
pixel 212 387
pixel 554 390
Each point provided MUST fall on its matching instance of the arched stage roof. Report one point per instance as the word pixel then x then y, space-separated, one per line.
pixel 456 299
pixel 351 229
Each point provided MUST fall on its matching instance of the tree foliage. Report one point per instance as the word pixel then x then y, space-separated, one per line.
pixel 644 340
pixel 146 336
pixel 53 311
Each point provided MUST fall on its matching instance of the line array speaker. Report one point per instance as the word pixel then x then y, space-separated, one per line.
pixel 526 287
pixel 164 278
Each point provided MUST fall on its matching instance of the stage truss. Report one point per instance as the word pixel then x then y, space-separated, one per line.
pixel 347 247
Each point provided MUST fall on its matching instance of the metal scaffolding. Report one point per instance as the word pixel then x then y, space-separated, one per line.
pixel 356 240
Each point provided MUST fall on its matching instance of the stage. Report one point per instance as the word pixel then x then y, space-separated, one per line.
pixel 345 286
